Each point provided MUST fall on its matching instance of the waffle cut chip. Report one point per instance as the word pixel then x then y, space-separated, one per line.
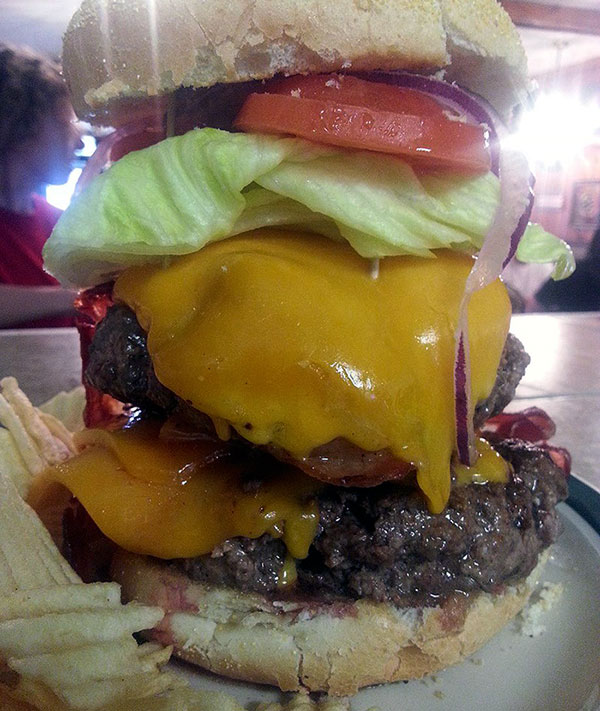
pixel 191 700
pixel 63 644
pixel 32 439
pixel 304 703
pixel 67 644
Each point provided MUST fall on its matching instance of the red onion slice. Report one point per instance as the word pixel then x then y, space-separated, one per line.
pixel 515 192
pixel 499 247
pixel 462 398
pixel 515 238
pixel 473 109
pixel 476 110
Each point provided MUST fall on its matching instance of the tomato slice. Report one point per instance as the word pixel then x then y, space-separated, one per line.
pixel 355 113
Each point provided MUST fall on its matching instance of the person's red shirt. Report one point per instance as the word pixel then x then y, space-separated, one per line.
pixel 21 240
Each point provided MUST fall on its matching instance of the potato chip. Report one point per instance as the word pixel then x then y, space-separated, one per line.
pixel 28 557
pixel 67 407
pixel 24 443
pixel 98 694
pixel 51 449
pixel 93 663
pixel 184 699
pixel 12 463
pixel 61 598
pixel 73 629
pixel 59 432
pixel 39 438
pixel 32 441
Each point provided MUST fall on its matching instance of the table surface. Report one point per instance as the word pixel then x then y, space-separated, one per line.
pixel 563 377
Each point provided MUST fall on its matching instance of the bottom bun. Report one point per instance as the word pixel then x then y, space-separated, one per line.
pixel 337 647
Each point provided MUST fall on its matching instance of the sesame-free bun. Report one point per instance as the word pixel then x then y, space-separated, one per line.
pixel 116 54
pixel 336 648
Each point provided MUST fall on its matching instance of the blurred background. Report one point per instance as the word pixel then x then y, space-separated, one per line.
pixel 40 24
pixel 560 131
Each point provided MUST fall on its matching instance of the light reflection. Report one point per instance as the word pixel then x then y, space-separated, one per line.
pixel 60 195
pixel 353 377
pixel 556 129
pixel 428 338
pixel 153 40
pixel 105 34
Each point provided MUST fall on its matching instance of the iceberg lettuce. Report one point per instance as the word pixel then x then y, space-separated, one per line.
pixel 187 191
pixel 539 246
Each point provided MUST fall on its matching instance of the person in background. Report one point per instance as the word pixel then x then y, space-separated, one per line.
pixel 581 291
pixel 38 139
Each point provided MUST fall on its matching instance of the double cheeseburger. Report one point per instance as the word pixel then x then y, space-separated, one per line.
pixel 295 444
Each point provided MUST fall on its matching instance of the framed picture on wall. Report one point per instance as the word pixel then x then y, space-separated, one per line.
pixel 585 205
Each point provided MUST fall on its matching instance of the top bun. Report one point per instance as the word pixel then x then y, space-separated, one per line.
pixel 135 49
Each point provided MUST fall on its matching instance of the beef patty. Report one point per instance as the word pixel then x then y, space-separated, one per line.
pixel 383 544
pixel 120 365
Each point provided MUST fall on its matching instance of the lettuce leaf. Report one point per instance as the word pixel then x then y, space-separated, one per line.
pixel 539 246
pixel 185 192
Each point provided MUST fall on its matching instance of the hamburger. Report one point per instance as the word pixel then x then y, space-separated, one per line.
pixel 295 339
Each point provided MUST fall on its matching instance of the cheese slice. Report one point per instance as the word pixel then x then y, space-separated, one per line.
pixel 289 339
pixel 180 499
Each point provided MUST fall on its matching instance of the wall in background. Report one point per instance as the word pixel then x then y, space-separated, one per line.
pixel 568 188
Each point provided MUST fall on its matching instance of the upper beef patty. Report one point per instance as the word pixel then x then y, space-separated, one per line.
pixel 120 365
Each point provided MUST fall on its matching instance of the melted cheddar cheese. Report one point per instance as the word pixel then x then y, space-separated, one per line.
pixel 179 499
pixel 489 467
pixel 289 339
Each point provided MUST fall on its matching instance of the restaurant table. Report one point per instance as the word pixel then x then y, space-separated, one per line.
pixel 563 378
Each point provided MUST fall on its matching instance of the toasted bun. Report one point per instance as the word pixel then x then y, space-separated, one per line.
pixel 115 50
pixel 334 648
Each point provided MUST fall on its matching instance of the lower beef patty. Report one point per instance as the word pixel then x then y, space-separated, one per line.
pixel 382 543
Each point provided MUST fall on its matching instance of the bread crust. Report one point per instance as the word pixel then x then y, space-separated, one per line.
pixel 333 648
pixel 115 50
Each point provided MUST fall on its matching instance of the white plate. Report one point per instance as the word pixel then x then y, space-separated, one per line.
pixel 558 670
